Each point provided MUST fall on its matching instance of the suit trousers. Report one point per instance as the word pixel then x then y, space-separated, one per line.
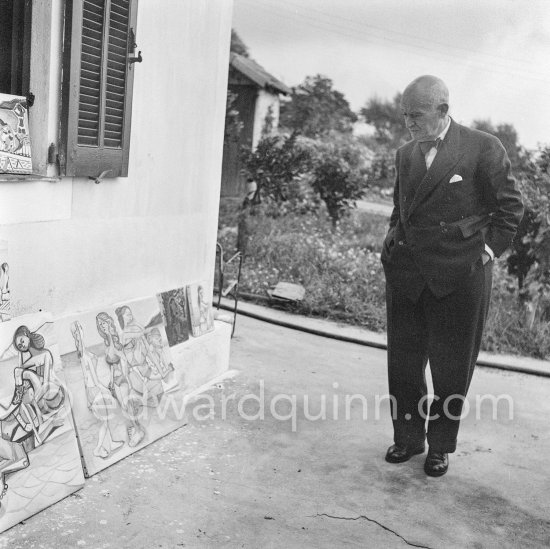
pixel 446 331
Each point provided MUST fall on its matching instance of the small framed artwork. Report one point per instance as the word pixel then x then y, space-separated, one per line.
pixel 15 145
pixel 174 314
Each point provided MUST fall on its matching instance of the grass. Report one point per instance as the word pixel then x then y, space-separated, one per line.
pixel 339 269
pixel 344 279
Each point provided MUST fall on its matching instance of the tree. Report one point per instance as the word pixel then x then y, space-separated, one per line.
pixel 237 45
pixel 388 121
pixel 315 108
pixel 508 137
pixel 233 122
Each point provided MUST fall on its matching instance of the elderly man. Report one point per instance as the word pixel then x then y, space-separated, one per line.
pixel 456 207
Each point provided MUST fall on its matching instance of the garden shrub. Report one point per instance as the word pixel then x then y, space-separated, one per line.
pixel 339 174
pixel 277 165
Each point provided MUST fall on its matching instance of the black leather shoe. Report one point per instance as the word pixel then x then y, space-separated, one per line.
pixel 436 463
pixel 398 454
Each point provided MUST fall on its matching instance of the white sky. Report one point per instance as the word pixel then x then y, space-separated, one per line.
pixel 494 55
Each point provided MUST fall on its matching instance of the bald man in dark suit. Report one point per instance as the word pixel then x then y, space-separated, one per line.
pixel 456 208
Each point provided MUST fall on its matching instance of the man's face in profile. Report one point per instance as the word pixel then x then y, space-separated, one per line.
pixel 423 119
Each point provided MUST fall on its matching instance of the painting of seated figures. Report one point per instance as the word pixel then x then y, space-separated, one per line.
pixel 39 456
pixel 127 391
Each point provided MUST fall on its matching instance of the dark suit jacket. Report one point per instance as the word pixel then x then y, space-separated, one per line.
pixel 438 228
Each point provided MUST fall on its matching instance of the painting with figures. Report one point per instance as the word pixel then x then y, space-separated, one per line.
pixel 200 309
pixel 127 392
pixel 39 456
pixel 15 146
pixel 174 313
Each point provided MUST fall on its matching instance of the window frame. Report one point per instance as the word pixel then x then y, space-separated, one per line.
pixel 19 58
pixel 37 77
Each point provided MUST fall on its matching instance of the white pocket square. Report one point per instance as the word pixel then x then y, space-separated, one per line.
pixel 456 178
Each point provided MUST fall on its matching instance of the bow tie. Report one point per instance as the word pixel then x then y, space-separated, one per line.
pixel 426 146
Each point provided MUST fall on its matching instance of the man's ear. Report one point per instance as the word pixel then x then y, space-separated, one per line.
pixel 443 108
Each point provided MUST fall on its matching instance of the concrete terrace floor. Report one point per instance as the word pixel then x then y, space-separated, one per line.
pixel 238 482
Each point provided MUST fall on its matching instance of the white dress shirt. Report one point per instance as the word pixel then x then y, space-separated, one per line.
pixel 430 155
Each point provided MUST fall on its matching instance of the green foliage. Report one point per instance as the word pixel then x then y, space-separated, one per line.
pixel 535 237
pixel 522 257
pixel 527 169
pixel 382 167
pixel 294 172
pixel 339 171
pixel 233 123
pixel 386 117
pixel 276 165
pixel 529 260
pixel 315 109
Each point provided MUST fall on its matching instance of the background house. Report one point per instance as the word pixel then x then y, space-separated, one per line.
pixel 257 102
pixel 78 237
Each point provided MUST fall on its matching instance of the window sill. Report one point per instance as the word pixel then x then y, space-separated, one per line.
pixel 6 177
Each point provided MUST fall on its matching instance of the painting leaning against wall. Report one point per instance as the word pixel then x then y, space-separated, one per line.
pixel 200 309
pixel 39 456
pixel 5 293
pixel 174 314
pixel 15 145
pixel 126 390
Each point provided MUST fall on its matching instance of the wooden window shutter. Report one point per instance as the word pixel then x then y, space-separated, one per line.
pixel 97 87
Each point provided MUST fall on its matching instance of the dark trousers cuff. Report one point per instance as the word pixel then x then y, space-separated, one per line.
pixel 443 446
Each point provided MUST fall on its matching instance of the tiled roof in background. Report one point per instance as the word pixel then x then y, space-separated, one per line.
pixel 257 73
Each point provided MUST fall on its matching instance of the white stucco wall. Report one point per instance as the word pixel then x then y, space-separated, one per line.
pixel 264 100
pixel 75 245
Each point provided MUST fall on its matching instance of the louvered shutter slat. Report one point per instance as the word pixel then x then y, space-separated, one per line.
pixel 87 109
pixel 88 125
pixel 86 115
pixel 117 26
pixel 94 5
pixel 110 111
pixel 119 66
pixel 117 45
pixel 120 8
pixel 116 76
pixel 88 78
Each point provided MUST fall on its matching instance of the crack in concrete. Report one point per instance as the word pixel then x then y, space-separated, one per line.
pixel 375 522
